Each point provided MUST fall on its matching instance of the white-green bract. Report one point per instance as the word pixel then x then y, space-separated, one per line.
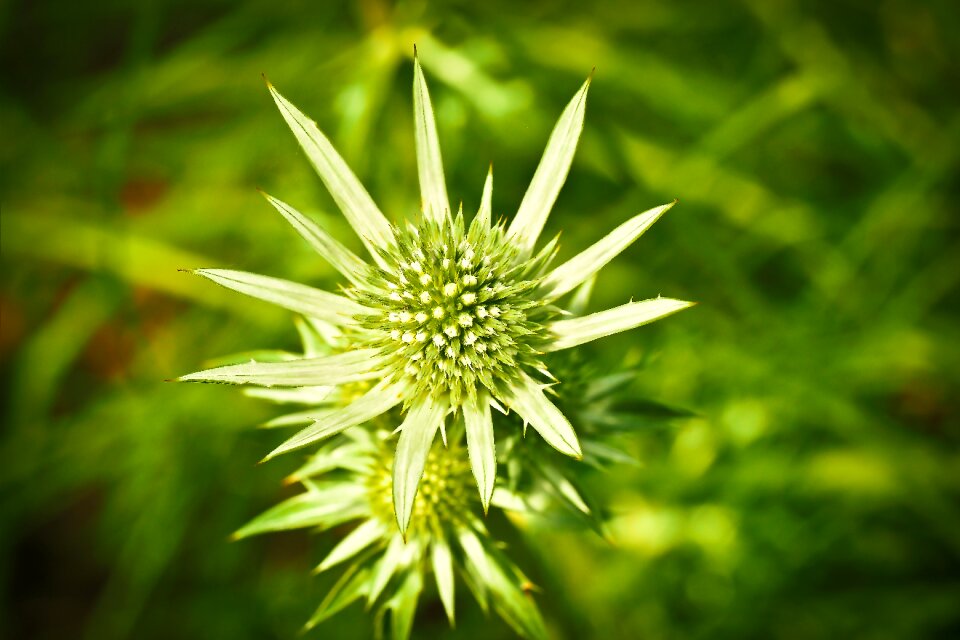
pixel 448 317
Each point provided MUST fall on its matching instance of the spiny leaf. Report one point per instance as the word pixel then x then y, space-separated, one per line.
pixel 581 267
pixel 442 562
pixel 350 366
pixel 342 259
pixel 350 587
pixel 306 510
pixel 356 204
pixel 416 436
pixel 355 542
pixel 289 295
pixel 550 174
pixel 529 401
pixel 433 189
pixel 480 447
pixel 570 333
pixel 378 400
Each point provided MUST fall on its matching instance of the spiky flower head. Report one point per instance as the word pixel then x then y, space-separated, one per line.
pixel 347 482
pixel 449 317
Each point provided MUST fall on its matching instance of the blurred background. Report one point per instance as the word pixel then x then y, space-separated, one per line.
pixel 813 146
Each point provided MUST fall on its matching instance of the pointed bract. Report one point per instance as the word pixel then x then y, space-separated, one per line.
pixel 416 436
pixel 570 333
pixel 581 297
pixel 550 174
pixel 433 189
pixel 351 366
pixel 356 204
pixel 380 399
pixel 342 259
pixel 529 401
pixel 442 563
pixel 386 568
pixel 350 587
pixel 485 213
pixel 576 270
pixel 481 448
pixel 289 295
pixel 404 605
pixel 305 510
pixel 355 542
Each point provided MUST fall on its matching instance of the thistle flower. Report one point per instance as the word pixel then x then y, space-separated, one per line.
pixel 348 480
pixel 448 317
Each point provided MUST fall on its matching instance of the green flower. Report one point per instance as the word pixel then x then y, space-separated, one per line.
pixel 448 317
pixel 348 480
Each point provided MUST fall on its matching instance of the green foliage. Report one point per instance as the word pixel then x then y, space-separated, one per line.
pixel 806 487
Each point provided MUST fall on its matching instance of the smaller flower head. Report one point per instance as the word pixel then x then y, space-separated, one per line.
pixel 348 480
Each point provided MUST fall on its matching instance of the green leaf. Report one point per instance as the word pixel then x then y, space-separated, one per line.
pixel 342 259
pixel 289 295
pixel 416 436
pixel 584 265
pixel 350 587
pixel 570 333
pixel 480 447
pixel 550 174
pixel 529 401
pixel 378 400
pixel 309 509
pixel 442 561
pixel 356 204
pixel 433 190
pixel 350 366
pixel 355 542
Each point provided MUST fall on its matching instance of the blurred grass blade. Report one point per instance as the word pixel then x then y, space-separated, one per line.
pixel 580 299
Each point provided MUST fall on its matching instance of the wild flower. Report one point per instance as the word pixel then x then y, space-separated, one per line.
pixel 448 318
